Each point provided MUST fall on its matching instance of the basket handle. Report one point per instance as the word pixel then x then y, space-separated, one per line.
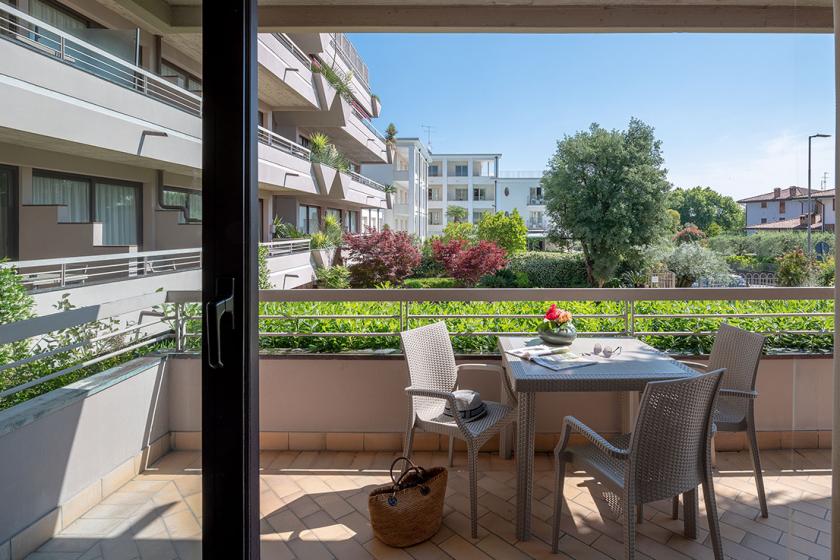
pixel 411 467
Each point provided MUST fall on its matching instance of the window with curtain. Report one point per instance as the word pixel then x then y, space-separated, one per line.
pixel 180 77
pixel 71 192
pixel 117 207
pixel 187 200
pixel 50 14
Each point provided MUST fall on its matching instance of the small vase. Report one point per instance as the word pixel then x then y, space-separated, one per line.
pixel 563 335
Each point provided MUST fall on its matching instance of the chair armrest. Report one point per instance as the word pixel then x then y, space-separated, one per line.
pixel 435 394
pixel 695 364
pixel 737 393
pixel 499 370
pixel 572 424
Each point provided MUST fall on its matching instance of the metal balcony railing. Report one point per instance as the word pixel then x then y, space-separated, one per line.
pixel 294 49
pixel 274 140
pixel 351 56
pixel 365 181
pixel 368 124
pixel 38 36
pixel 536 201
pixel 285 247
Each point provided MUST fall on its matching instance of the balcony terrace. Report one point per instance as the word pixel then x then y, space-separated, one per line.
pixel 135 484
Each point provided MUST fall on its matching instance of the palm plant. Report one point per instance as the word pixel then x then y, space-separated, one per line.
pixel 323 151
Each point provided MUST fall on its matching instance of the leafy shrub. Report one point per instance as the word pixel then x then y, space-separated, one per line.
pixel 825 273
pixel 283 230
pixel 456 213
pixel 793 269
pixel 324 151
pixel 768 245
pixel 428 267
pixel 338 79
pixel 751 263
pixel 459 230
pixel 264 276
pixel 15 305
pixel 429 283
pixel 468 265
pixel 380 256
pixel 550 270
pixel 689 234
pixel 506 231
pixel 333 277
pixel 319 240
pixel 691 261
pixel 332 229
pixel 444 250
pixel 504 278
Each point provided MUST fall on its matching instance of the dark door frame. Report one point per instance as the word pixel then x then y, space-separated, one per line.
pixel 230 369
pixel 13 226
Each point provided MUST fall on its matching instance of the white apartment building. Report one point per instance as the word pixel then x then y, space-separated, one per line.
pixel 100 132
pixel 407 175
pixel 465 180
pixel 522 191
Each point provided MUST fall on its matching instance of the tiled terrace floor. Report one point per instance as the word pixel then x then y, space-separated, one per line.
pixel 314 506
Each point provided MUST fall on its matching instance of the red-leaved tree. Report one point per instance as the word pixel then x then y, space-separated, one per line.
pixel 380 256
pixel 468 263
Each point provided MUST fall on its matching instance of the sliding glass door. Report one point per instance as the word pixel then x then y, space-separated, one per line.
pixel 8 213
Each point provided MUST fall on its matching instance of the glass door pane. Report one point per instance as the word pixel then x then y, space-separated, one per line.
pixel 117 209
pixel 8 213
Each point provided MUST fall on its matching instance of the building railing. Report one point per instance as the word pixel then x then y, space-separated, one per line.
pixel 368 124
pixel 539 225
pixel 522 174
pixel 285 247
pixel 41 37
pixel 73 272
pixel 365 181
pixel 348 52
pixel 536 201
pixel 293 48
pixel 57 344
pixel 290 318
pixel 274 140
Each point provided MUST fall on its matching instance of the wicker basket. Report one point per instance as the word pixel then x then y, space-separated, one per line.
pixel 410 510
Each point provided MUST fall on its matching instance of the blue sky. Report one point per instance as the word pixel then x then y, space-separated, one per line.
pixel 733 111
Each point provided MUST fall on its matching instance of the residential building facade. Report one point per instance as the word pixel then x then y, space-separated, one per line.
pixel 468 181
pixel 786 209
pixel 100 136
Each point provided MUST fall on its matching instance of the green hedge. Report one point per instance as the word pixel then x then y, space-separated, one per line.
pixel 695 344
pixel 429 283
pixel 550 270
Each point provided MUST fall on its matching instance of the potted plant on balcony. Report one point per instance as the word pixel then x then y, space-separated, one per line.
pixel 325 243
pixel 557 327
pixel 390 141
pixel 376 104
pixel 327 161
pixel 389 190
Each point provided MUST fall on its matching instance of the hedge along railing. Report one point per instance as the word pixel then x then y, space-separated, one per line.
pixel 681 320
pixel 39 350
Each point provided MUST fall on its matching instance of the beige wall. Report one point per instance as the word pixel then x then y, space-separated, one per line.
pixel 366 395
pixel 43 237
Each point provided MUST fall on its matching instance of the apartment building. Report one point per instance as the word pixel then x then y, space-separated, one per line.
pixel 468 181
pixel 786 209
pixel 522 191
pixel 407 177
pixel 100 133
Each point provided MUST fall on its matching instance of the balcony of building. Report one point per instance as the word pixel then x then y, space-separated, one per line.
pixel 52 81
pixel 285 74
pixel 111 463
pixel 284 165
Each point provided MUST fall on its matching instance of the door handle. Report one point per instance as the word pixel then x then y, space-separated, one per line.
pixel 215 311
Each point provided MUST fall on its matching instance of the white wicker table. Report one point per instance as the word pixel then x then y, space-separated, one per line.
pixel 631 370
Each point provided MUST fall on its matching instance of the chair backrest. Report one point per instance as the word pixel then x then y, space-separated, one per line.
pixel 669 446
pixel 738 352
pixel 431 364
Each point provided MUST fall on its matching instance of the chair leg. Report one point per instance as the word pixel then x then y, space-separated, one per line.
pixel 408 444
pixel 691 510
pixel 559 481
pixel 629 528
pixel 675 507
pixel 752 442
pixel 712 514
pixel 451 450
pixel 472 460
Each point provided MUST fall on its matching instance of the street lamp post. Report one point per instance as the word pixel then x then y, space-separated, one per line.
pixel 810 210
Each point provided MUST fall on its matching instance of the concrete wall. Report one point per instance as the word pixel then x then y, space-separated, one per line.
pixel 169 234
pixel 57 445
pixel 291 271
pixel 366 395
pixel 41 236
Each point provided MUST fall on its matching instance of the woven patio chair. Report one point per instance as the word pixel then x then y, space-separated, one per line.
pixel 739 352
pixel 667 454
pixel 434 376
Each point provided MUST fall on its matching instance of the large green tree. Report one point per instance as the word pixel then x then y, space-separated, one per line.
pixel 607 189
pixel 705 207
pixel 508 231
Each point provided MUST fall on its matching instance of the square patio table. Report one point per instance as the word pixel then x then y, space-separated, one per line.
pixel 636 365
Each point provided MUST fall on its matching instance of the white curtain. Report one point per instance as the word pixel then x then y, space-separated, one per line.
pixel 116 208
pixel 62 191
pixel 55 17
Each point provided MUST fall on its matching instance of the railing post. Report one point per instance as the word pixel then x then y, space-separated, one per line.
pixel 63 275
pixel 632 305
pixel 62 53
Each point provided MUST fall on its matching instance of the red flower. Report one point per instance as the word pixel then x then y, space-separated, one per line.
pixel 552 314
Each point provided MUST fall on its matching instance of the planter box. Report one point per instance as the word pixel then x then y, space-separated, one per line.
pixel 323 257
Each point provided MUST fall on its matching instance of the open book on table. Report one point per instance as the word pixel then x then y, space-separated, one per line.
pixel 552 357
